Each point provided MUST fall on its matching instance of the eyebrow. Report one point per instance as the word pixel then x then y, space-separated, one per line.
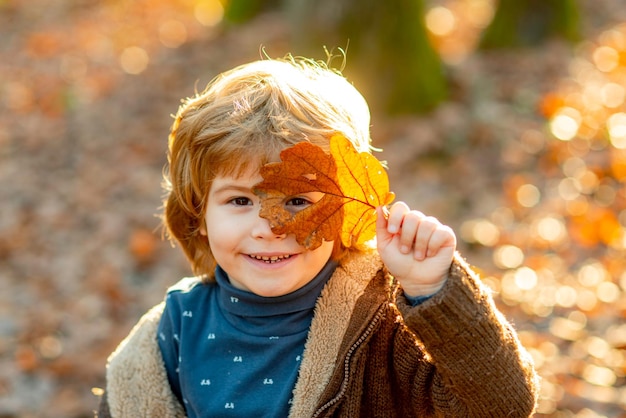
pixel 231 187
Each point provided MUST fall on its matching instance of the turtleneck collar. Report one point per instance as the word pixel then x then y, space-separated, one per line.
pixel 244 304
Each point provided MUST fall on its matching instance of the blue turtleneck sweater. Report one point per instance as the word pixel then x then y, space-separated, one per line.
pixel 231 353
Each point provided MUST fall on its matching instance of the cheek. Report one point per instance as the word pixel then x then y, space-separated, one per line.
pixel 221 244
pixel 214 220
pixel 223 233
pixel 323 253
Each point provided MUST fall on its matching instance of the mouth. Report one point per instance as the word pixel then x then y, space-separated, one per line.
pixel 270 259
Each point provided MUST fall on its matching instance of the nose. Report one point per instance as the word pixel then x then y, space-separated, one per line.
pixel 262 230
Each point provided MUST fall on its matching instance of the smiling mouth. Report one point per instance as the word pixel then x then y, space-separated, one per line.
pixel 270 259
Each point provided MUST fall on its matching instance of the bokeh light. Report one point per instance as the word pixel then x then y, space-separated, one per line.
pixel 551 229
pixel 455 27
pixel 565 124
pixel 209 12
pixel 528 195
pixel 440 21
pixel 481 231
pixel 508 257
pixel 613 95
pixel 134 60
pixel 563 253
pixel 606 58
pixel 616 126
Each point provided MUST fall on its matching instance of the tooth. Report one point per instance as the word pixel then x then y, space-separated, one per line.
pixel 270 259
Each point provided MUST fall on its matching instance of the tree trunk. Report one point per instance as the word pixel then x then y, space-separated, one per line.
pixel 531 22
pixel 389 56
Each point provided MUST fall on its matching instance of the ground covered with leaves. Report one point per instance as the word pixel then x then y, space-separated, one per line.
pixel 87 93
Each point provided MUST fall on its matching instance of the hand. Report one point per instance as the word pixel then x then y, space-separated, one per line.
pixel 417 249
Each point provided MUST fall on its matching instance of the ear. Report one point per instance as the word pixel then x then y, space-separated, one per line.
pixel 202 229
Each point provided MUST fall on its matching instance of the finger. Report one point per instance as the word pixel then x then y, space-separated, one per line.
pixel 426 228
pixel 396 217
pixel 382 215
pixel 441 237
pixel 408 231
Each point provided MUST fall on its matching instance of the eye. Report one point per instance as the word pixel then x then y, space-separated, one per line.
pixel 296 204
pixel 299 202
pixel 240 201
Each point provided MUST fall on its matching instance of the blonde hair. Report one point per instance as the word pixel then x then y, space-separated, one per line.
pixel 246 116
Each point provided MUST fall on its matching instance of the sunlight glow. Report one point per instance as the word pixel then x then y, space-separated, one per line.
pixel 589 181
pixel 608 292
pixel 574 166
pixel 569 188
pixel 480 231
pixel 525 278
pixel 606 58
pixel 508 256
pixel 592 274
pixel 551 229
pixel 455 27
pixel 565 124
pixel 547 296
pixel 566 328
pixel 616 125
pixel 134 60
pixel 614 358
pixel 528 195
pixel 479 12
pixel 613 95
pixel 440 21
pixel 592 96
pixel 586 300
pixel 566 296
pixel 600 376
pixel 597 347
pixel 209 12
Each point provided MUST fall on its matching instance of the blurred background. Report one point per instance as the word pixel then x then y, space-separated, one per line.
pixel 505 119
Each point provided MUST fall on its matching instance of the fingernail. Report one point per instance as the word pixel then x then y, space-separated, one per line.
pixel 419 255
pixel 404 249
pixel 392 229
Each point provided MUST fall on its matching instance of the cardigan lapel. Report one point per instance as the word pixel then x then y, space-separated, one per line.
pixel 330 322
pixel 137 383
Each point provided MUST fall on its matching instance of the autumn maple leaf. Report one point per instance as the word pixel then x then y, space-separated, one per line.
pixel 353 184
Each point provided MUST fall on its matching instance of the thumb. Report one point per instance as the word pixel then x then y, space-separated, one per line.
pixel 382 216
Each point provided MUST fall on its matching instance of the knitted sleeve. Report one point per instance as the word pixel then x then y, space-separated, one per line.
pixel 481 367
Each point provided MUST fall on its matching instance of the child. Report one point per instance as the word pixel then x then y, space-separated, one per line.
pixel 269 328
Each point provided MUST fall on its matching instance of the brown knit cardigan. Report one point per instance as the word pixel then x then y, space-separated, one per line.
pixel 369 354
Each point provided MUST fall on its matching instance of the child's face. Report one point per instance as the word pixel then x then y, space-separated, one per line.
pixel 256 259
